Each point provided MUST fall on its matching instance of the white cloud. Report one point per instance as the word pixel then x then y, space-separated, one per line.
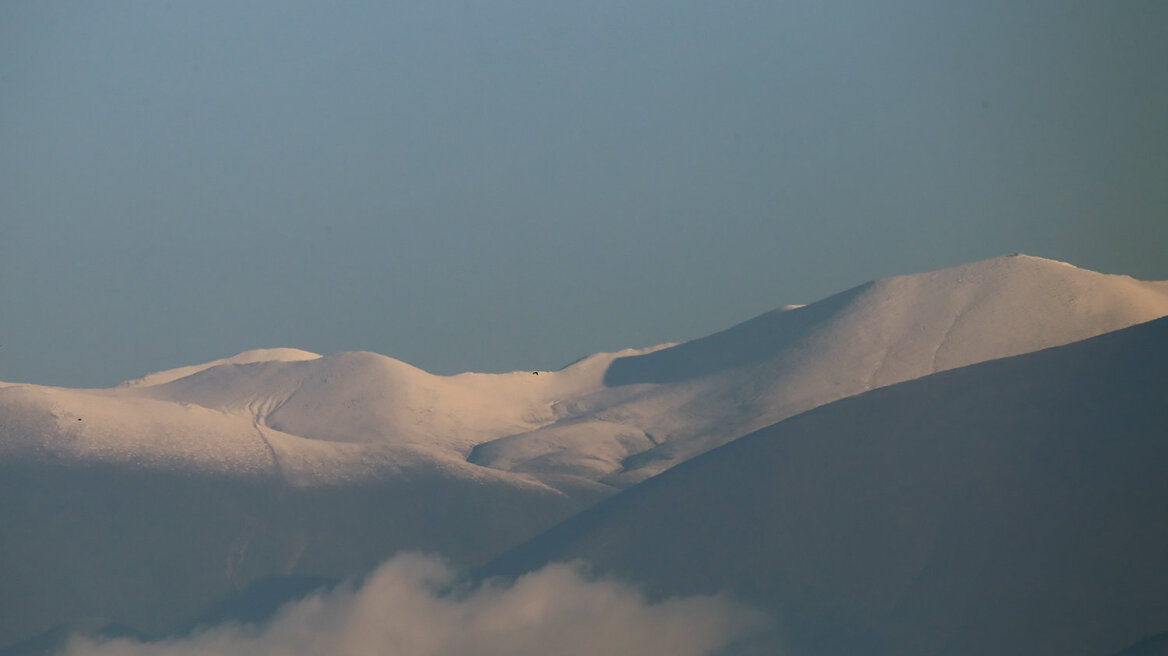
pixel 414 606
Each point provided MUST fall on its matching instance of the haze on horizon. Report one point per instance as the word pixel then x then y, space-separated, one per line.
pixel 465 187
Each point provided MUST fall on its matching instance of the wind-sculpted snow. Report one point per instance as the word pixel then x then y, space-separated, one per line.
pixel 414 606
pixel 282 462
pixel 1014 507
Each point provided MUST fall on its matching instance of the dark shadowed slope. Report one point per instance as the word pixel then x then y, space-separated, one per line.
pixel 89 543
pixel 1012 507
pixel 1154 646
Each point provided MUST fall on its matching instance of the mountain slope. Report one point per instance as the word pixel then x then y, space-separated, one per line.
pixel 1010 507
pixel 282 462
pixel 142 509
pixel 694 396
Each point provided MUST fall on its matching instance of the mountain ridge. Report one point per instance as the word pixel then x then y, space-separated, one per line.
pixel 1007 507
pixel 288 459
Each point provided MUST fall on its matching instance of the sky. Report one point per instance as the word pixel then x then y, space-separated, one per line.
pixel 514 185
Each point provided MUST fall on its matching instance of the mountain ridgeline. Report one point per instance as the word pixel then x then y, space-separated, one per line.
pixel 183 487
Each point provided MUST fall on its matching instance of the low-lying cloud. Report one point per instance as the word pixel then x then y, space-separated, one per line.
pixel 414 606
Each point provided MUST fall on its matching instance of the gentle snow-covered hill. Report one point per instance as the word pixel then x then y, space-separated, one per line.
pixel 181 487
pixel 95 530
pixel 1010 507
pixel 660 408
pixel 247 357
pixel 203 479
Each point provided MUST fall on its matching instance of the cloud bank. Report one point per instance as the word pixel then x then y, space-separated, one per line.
pixel 413 605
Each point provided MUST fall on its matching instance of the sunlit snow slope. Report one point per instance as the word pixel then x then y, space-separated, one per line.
pixel 145 502
pixel 660 408
pixel 1014 507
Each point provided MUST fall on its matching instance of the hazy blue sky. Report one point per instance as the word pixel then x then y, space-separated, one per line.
pixel 505 185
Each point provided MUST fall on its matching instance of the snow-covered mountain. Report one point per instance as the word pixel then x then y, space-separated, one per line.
pixel 1011 507
pixel 181 486
pixel 694 396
